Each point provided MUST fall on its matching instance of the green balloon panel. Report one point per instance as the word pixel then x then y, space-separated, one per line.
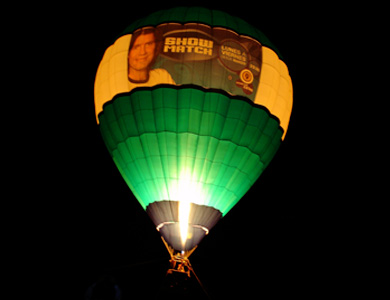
pixel 185 143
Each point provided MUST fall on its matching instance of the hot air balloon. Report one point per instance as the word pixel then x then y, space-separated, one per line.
pixel 192 105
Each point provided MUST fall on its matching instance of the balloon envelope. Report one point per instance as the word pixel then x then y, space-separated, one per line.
pixel 192 105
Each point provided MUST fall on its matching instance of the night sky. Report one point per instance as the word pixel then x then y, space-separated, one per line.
pixel 273 244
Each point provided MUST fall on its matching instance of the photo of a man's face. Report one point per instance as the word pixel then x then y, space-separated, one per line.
pixel 145 47
pixel 142 52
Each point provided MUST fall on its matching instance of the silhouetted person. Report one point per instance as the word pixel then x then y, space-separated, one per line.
pixel 104 289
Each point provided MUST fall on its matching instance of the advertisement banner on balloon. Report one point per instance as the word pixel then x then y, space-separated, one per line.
pixel 196 54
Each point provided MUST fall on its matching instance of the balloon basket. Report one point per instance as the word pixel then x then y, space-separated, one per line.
pixel 180 270
pixel 179 260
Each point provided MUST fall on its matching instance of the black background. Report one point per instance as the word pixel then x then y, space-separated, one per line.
pixel 281 240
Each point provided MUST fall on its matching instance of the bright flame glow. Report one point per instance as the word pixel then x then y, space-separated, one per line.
pixel 184 213
pixel 186 192
pixel 186 189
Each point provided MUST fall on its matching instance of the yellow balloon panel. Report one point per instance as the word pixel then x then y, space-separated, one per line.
pixel 111 77
pixel 275 90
